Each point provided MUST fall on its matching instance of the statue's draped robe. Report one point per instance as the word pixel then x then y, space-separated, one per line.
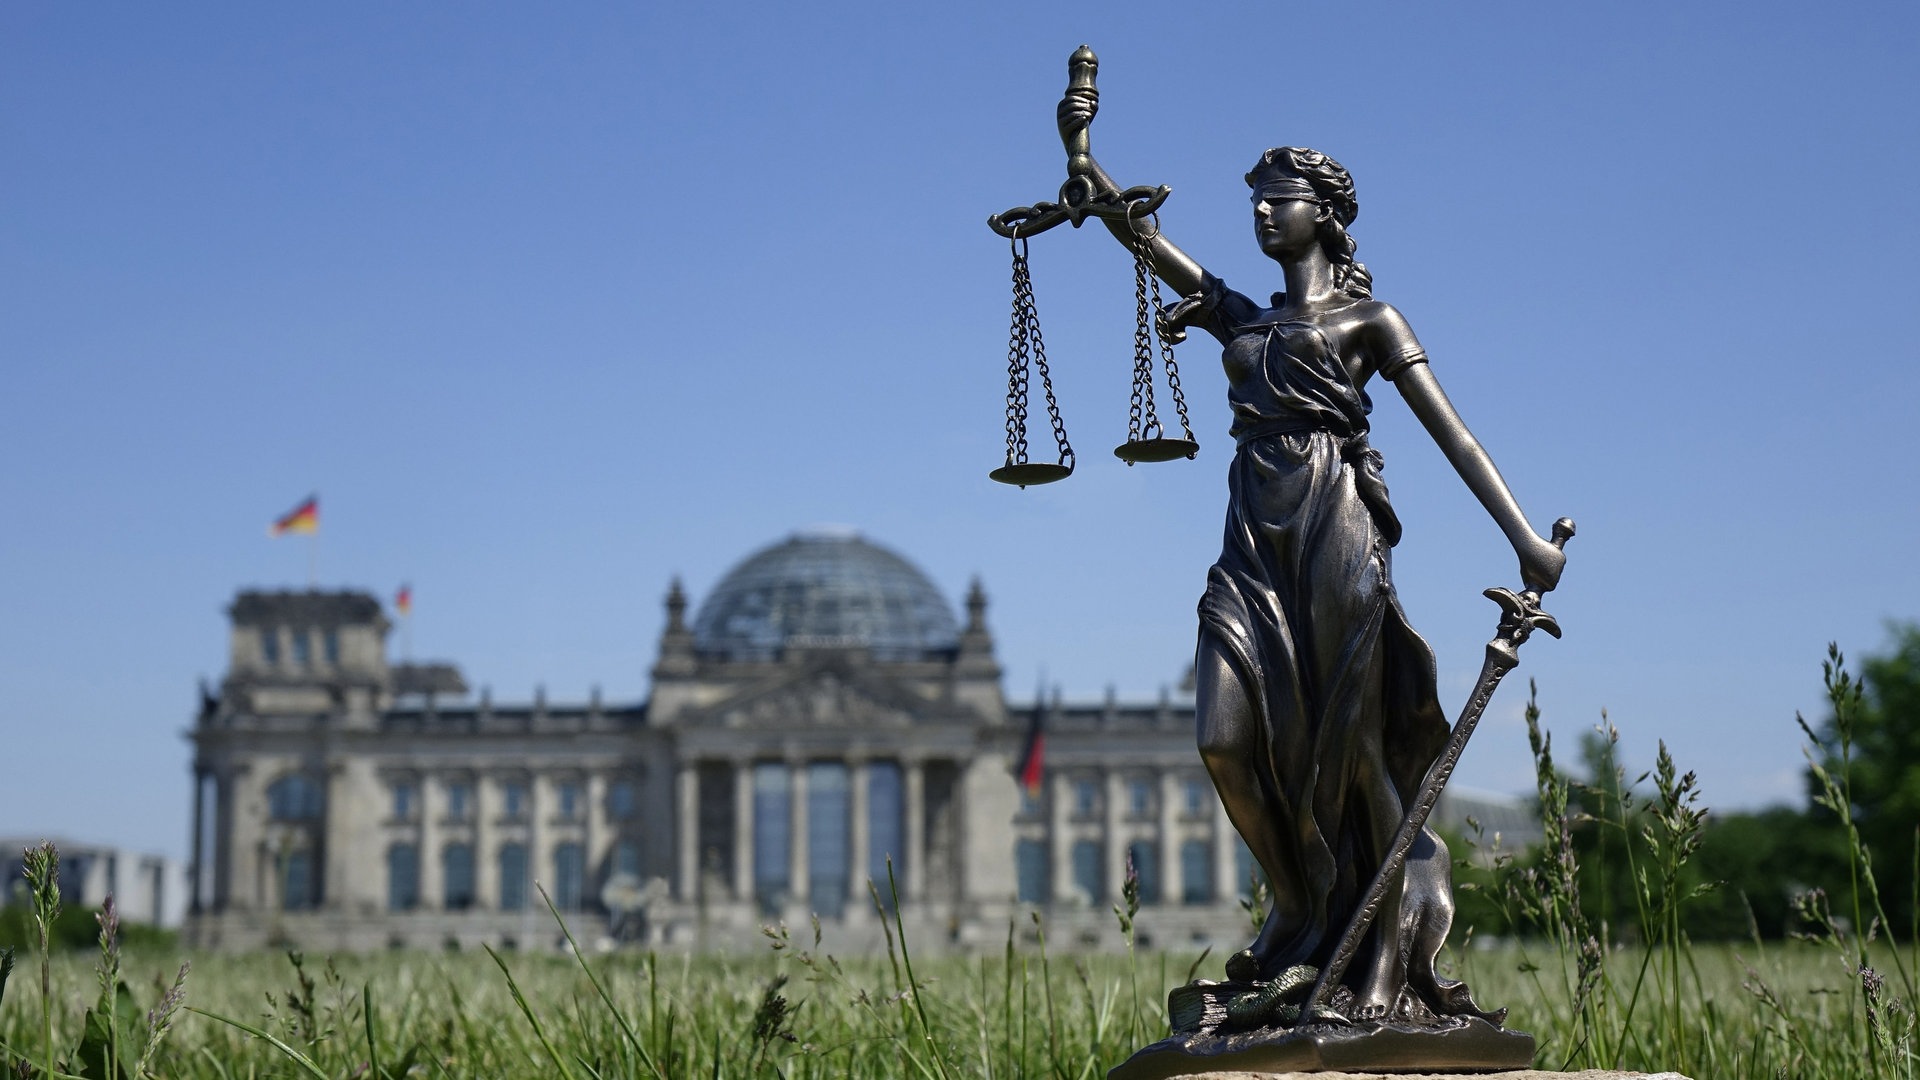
pixel 1302 603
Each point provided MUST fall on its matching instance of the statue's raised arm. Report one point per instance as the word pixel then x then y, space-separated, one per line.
pixel 1090 192
pixel 1075 114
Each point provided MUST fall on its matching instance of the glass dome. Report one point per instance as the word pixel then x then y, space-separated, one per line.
pixel 824 588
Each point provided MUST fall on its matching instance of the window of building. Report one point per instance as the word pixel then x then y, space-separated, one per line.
pixel 569 800
pixel 459 800
pixel 298 885
pixel 772 835
pixel 1086 797
pixel 513 796
pixel 829 850
pixel 1140 797
pixel 1196 872
pixel 330 645
pixel 1199 793
pixel 886 827
pixel 302 648
pixel 403 800
pixel 623 800
pixel 1031 871
pixel 1146 869
pixel 716 784
pixel 296 797
pixel 270 644
pixel 569 876
pixel 1086 870
pixel 456 866
pixel 513 877
pixel 626 858
pixel 403 877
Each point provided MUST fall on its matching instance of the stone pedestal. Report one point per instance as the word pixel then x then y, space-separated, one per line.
pixel 1459 1045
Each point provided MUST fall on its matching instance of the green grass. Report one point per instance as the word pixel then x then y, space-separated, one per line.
pixel 1748 1012
pixel 1836 1003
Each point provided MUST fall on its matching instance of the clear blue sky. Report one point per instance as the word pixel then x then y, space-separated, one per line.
pixel 553 303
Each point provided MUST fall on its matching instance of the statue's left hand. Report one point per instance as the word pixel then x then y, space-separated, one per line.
pixel 1541 563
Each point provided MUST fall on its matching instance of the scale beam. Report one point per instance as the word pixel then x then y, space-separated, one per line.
pixel 1132 204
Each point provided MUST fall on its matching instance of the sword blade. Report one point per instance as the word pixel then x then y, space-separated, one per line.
pixel 1501 658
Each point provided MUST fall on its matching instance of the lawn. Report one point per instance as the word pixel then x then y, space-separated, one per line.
pixel 1789 1009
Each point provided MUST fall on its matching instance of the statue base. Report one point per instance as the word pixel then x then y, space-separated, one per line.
pixel 1459 1044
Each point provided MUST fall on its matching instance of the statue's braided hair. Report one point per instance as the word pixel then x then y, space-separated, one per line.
pixel 1333 186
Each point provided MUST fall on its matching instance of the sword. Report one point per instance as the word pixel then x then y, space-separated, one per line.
pixel 1520 616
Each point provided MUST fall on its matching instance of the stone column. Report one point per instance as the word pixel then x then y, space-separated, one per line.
pixel 743 830
pixel 1172 884
pixel 433 892
pixel 539 843
pixel 1226 880
pixel 245 837
pixel 859 838
pixel 486 856
pixel 1060 835
pixel 686 828
pixel 356 852
pixel 1113 824
pixel 915 795
pixel 599 841
pixel 798 885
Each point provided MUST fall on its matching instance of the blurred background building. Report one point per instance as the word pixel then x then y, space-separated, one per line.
pixel 821 722
pixel 146 888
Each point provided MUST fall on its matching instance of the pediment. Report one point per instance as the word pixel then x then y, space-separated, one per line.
pixel 818 699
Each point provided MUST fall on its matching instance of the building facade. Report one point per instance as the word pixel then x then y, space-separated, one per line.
pixel 146 888
pixel 822 722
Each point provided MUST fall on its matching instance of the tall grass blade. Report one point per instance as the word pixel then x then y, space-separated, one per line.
pixel 613 1010
pixel 913 985
pixel 539 1030
pixel 295 1056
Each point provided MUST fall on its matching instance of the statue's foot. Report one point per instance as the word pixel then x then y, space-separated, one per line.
pixel 1371 1011
pixel 1374 1002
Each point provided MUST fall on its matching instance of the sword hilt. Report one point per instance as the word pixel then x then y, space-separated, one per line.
pixel 1520 613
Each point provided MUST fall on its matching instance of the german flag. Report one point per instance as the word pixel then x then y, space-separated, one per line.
pixel 403 601
pixel 304 518
pixel 1033 762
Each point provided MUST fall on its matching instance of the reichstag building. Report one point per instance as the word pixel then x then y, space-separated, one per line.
pixel 823 715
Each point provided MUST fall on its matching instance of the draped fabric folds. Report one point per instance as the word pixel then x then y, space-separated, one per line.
pixel 1301 601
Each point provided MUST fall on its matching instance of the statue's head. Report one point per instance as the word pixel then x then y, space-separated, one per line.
pixel 1310 176
pixel 1329 181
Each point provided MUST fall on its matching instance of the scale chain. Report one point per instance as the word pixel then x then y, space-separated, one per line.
pixel 1164 333
pixel 1143 422
pixel 1017 353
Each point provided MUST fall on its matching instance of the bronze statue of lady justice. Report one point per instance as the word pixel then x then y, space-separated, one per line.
pixel 1317 712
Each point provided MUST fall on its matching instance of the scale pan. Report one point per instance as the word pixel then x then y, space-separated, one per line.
pixel 1155 450
pixel 1031 472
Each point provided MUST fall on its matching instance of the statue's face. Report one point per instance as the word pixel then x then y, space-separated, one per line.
pixel 1283 223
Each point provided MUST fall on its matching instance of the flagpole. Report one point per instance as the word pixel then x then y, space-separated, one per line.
pixel 313 560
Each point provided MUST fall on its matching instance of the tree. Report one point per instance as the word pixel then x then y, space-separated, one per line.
pixel 1869 748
